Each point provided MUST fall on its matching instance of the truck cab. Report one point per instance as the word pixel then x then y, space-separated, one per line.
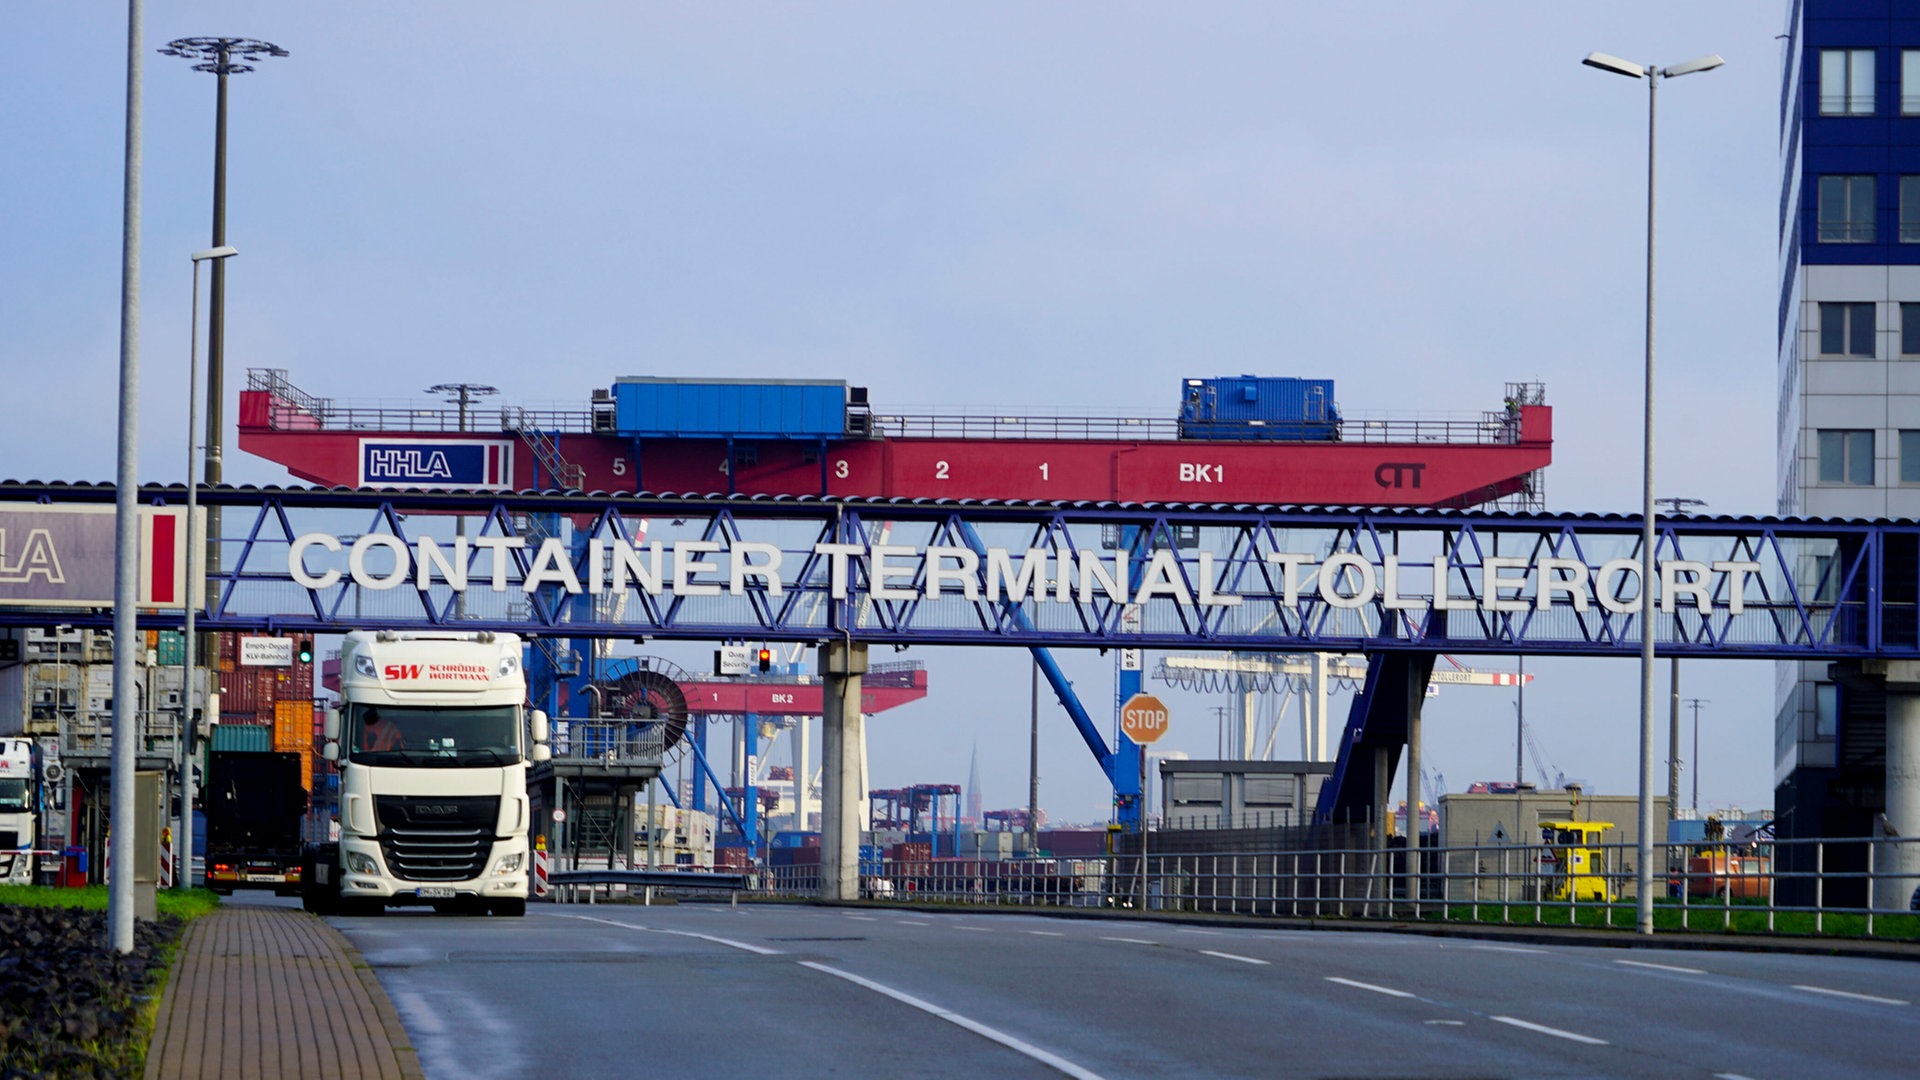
pixel 433 740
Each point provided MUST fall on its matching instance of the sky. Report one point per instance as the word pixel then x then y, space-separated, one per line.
pixel 1066 206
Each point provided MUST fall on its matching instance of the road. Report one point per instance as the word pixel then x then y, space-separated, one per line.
pixel 774 990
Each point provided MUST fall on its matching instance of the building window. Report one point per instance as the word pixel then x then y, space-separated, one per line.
pixel 1910 457
pixel 1846 457
pixel 1846 209
pixel 1846 330
pixel 1910 82
pixel 1910 209
pixel 1846 82
pixel 1910 329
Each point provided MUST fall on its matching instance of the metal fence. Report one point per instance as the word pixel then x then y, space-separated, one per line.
pixel 1835 886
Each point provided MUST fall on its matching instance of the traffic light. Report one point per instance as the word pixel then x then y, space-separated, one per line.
pixel 303 650
pixel 766 659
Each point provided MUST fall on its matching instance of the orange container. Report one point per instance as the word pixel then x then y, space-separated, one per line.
pixel 293 726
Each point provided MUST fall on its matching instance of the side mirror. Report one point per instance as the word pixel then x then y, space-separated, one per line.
pixel 330 751
pixel 331 727
pixel 542 752
pixel 539 723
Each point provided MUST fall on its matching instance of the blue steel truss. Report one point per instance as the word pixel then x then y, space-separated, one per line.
pixel 1808 589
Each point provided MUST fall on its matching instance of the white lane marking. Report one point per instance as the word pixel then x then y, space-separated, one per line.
pixel 1387 990
pixel 1130 940
pixel 864 918
pixel 1856 997
pixel 1230 956
pixel 1555 1032
pixel 425 1020
pixel 1660 967
pixel 910 922
pixel 1001 1037
pixel 1046 933
pixel 728 942
pixel 975 929
pixel 1209 933
pixel 1730 1076
pixel 1446 1023
pixel 1506 948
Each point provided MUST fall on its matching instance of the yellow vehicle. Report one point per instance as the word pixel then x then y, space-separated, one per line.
pixel 1578 863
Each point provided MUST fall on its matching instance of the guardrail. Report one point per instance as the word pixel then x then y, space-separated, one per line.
pixel 572 880
pixel 1837 887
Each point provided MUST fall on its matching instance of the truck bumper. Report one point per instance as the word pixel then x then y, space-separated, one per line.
pixel 505 879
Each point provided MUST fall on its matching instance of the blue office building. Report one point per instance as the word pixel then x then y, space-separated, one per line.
pixel 1849 358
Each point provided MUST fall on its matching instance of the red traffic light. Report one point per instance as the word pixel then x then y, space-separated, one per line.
pixel 766 659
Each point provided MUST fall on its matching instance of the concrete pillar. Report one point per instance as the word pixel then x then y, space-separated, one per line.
pixel 843 769
pixel 1903 800
pixel 1896 865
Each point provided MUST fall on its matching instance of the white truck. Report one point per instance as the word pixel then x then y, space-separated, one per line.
pixel 19 810
pixel 433 741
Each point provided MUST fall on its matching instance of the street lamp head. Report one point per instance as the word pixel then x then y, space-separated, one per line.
pixel 222 55
pixel 1704 63
pixel 1616 65
pixel 222 252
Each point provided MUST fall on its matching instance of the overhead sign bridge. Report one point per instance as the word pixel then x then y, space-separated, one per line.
pixel 975 573
pixel 1399 585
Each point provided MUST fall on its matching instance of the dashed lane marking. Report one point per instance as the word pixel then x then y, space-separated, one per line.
pixel 1230 956
pixel 1661 967
pixel 1855 997
pixel 728 942
pixel 1572 1036
pixel 1387 990
pixel 1130 940
pixel 1506 948
pixel 1017 1045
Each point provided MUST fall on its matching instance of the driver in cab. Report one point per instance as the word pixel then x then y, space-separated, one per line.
pixel 377 733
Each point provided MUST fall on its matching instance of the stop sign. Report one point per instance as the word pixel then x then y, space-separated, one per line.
pixel 1143 718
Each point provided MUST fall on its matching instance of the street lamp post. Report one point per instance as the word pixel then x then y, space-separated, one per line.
pixel 463 394
pixel 221 57
pixel 1675 507
pixel 184 879
pixel 1644 883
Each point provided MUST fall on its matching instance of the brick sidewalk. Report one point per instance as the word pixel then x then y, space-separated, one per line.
pixel 261 992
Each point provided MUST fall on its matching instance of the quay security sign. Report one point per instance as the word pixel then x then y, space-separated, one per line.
pixel 897 572
pixel 62 556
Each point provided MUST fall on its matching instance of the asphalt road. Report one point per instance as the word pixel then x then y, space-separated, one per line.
pixel 707 990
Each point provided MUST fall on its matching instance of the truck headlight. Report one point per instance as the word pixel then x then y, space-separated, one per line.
pixel 361 863
pixel 508 864
pixel 363 665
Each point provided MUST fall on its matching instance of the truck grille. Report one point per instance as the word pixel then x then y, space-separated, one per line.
pixel 428 838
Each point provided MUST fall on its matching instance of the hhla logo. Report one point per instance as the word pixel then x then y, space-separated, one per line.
pixel 37 558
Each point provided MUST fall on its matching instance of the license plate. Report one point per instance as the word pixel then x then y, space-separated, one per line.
pixel 434 893
pixel 266 877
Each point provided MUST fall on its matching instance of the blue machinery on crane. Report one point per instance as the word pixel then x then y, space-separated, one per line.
pixel 1401 586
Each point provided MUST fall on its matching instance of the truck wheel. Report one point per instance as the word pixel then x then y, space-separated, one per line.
pixel 514 908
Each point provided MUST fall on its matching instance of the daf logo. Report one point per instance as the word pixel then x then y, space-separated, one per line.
pixel 436 811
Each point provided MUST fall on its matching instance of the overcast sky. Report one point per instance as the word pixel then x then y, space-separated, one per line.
pixel 1064 205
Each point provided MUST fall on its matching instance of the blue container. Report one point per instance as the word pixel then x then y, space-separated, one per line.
pixel 647 407
pixel 1242 407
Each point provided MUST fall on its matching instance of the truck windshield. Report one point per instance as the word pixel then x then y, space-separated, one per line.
pixel 13 795
pixel 433 738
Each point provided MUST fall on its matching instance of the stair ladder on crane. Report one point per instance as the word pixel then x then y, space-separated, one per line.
pixel 560 472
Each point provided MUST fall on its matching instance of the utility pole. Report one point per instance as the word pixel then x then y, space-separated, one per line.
pixel 1676 506
pixel 1695 704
